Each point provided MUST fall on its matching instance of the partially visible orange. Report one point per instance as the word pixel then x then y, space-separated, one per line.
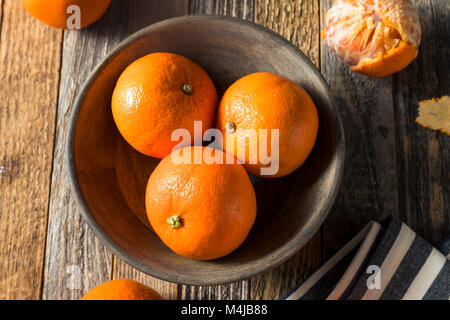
pixel 54 12
pixel 373 37
pixel 201 211
pixel 122 289
pixel 157 94
pixel 268 101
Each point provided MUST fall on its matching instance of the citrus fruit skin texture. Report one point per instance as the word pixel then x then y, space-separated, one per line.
pixel 373 37
pixel 122 289
pixel 268 101
pixel 149 101
pixel 216 205
pixel 434 114
pixel 54 12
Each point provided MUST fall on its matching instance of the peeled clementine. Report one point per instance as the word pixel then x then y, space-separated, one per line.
pixel 373 37
pixel 55 12
pixel 122 289
pixel 158 94
pixel 201 211
pixel 266 101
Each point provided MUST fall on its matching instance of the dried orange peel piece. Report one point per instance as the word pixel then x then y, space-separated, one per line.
pixel 434 114
pixel 373 37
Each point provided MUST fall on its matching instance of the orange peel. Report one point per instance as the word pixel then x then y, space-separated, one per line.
pixel 373 37
pixel 434 114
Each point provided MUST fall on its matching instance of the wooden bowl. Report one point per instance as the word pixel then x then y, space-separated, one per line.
pixel 109 177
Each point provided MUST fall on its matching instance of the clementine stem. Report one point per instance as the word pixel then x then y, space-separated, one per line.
pixel 187 88
pixel 175 221
pixel 230 127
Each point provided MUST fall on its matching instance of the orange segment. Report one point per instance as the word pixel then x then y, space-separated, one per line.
pixel 373 37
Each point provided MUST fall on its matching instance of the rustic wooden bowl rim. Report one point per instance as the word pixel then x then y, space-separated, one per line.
pixel 281 254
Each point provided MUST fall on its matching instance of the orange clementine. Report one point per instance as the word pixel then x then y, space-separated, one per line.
pixel 201 211
pixel 270 102
pixel 54 12
pixel 122 289
pixel 158 94
pixel 373 37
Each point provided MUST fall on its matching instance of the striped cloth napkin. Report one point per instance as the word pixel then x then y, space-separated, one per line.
pixel 384 261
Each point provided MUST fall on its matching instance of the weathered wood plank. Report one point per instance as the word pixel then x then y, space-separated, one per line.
pixel 368 189
pixel 297 21
pixel 235 291
pixel 1 15
pixel 235 8
pixel 423 155
pixel 122 270
pixel 29 75
pixel 244 10
pixel 277 282
pixel 75 260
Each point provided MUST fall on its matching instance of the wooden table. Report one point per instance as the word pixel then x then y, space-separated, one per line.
pixel 393 166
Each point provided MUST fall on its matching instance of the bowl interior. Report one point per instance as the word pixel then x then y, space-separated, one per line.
pixel 109 177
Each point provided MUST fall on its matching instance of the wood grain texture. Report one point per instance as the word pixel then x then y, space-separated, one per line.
pixel 1 15
pixel 75 260
pixel 297 21
pixel 234 291
pixel 423 155
pixel 234 8
pixel 368 190
pixel 238 290
pixel 122 270
pixel 277 282
pixel 29 75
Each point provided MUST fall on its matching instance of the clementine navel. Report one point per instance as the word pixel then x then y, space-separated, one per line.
pixel 55 12
pixel 373 37
pixel 201 211
pixel 266 101
pixel 122 289
pixel 158 94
